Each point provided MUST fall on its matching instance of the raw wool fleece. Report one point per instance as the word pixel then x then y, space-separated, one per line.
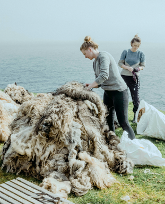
pixel 99 172
pixel 8 109
pixel 18 93
pixel 55 184
pixel 65 134
pixel 141 112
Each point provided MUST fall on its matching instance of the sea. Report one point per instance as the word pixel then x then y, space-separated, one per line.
pixel 42 67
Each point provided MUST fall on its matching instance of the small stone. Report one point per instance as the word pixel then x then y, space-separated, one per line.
pixel 131 177
pixel 147 171
pixel 125 198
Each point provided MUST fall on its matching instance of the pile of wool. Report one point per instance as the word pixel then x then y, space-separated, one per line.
pixel 8 110
pixel 18 93
pixel 63 138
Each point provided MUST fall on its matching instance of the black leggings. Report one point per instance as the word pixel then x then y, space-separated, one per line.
pixel 118 101
pixel 134 89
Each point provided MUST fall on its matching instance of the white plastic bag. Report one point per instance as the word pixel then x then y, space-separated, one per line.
pixel 141 151
pixel 152 122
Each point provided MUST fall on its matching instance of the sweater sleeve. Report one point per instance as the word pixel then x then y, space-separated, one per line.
pixel 94 68
pixel 104 69
pixel 142 60
pixel 122 58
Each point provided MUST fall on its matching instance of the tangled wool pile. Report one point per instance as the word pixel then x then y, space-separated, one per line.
pixel 8 109
pixel 63 138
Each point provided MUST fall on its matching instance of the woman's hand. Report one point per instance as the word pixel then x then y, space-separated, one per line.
pixel 86 85
pixel 127 68
pixel 90 86
pixel 141 68
pixel 130 69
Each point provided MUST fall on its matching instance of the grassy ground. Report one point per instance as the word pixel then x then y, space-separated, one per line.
pixel 144 188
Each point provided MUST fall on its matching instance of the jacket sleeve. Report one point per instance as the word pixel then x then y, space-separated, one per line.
pixel 104 62
pixel 122 58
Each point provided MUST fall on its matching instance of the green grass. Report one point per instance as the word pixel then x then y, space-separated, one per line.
pixel 144 188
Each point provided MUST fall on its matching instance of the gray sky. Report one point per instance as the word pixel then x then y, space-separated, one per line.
pixel 72 20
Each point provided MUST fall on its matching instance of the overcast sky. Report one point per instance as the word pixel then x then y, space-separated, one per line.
pixel 72 20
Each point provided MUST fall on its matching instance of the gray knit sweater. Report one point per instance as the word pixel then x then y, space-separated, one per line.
pixel 131 59
pixel 107 73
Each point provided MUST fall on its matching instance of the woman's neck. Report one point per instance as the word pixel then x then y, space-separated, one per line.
pixel 95 53
pixel 133 50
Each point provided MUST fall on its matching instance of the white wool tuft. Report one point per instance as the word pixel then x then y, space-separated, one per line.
pixel 8 110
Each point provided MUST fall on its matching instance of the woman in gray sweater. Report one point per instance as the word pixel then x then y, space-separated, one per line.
pixel 108 77
pixel 132 61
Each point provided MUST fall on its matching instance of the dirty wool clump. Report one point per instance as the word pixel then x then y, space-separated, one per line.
pixel 141 112
pixel 8 110
pixel 18 93
pixel 64 139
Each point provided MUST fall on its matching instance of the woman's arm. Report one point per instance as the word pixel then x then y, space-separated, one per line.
pixel 142 61
pixel 127 67
pixel 90 86
pixel 121 62
pixel 104 61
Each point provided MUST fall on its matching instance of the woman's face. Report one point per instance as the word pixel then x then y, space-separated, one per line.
pixel 135 46
pixel 88 53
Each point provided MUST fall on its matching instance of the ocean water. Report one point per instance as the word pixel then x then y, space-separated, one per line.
pixel 43 67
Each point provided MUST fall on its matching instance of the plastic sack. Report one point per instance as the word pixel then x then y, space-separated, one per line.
pixel 141 151
pixel 152 122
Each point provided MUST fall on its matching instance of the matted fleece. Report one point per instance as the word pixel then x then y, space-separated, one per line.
pixel 18 93
pixel 63 138
pixel 12 97
pixel 8 110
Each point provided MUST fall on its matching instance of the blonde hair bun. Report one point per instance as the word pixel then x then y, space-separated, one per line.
pixel 136 36
pixel 87 39
pixel 88 43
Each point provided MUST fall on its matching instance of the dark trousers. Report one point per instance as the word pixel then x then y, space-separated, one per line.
pixel 134 89
pixel 118 101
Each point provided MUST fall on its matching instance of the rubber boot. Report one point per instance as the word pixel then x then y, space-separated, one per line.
pixel 134 118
